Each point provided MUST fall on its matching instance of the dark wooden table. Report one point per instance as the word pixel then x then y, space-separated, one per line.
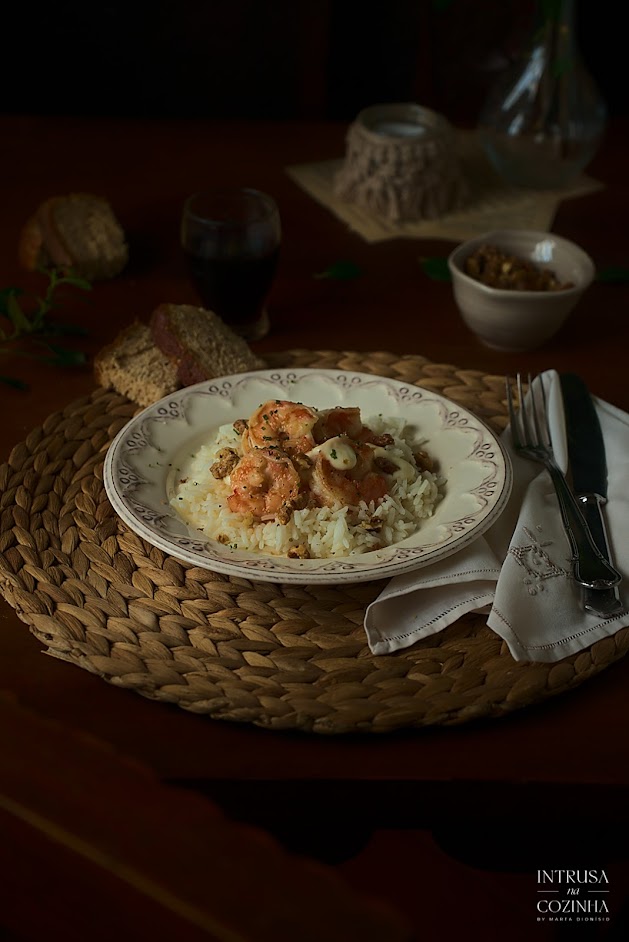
pixel 570 754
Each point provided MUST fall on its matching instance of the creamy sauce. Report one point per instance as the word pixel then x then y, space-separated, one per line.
pixel 338 452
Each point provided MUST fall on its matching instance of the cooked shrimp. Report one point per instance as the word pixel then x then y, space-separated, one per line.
pixel 341 420
pixel 332 486
pixel 286 425
pixel 373 487
pixel 346 420
pixel 264 481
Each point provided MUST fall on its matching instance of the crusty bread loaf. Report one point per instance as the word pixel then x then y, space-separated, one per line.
pixel 78 232
pixel 135 367
pixel 201 344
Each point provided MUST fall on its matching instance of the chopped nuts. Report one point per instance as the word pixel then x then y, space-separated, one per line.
pixel 497 269
pixel 284 514
pixel 383 441
pixel 286 511
pixel 424 461
pixel 226 461
pixel 373 525
pixel 385 465
pixel 298 552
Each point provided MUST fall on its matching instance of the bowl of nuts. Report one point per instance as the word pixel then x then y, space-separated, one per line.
pixel 515 287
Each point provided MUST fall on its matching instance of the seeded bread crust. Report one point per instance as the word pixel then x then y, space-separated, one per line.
pixel 200 343
pixel 183 345
pixel 135 367
pixel 78 232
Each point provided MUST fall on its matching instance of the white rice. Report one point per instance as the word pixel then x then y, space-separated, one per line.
pixel 201 500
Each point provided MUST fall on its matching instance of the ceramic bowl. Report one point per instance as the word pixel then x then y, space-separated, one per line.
pixel 512 320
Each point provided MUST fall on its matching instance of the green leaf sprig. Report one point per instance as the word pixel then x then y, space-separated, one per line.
pixel 341 271
pixel 436 268
pixel 23 328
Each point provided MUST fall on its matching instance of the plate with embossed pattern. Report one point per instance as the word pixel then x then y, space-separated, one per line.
pixel 148 457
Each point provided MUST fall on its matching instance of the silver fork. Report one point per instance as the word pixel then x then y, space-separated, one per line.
pixel 530 433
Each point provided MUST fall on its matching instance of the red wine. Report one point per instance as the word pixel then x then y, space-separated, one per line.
pixel 234 288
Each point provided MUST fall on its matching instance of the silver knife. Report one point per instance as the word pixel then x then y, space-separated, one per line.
pixel 588 467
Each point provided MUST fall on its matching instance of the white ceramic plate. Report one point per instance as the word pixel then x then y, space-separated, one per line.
pixel 149 454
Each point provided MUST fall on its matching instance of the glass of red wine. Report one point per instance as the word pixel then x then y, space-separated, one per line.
pixel 231 241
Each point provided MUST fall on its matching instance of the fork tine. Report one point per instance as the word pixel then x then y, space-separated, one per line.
pixel 547 438
pixel 513 421
pixel 533 403
pixel 526 429
pixel 539 411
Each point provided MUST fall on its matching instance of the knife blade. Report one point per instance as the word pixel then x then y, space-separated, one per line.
pixel 588 467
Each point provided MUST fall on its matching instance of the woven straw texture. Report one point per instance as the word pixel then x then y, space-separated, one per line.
pixel 278 656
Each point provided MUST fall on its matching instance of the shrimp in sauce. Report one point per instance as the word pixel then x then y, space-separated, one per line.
pixel 346 420
pixel 341 420
pixel 283 424
pixel 295 455
pixel 344 473
pixel 265 484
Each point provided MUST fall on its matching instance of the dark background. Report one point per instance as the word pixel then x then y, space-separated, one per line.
pixel 277 58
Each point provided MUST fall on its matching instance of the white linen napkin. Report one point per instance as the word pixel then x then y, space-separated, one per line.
pixel 520 571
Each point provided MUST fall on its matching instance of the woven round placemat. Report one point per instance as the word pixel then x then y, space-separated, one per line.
pixel 278 656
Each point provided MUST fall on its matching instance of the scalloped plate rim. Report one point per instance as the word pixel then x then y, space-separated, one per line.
pixel 147 519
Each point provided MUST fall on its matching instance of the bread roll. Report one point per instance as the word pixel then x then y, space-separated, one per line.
pixel 78 232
